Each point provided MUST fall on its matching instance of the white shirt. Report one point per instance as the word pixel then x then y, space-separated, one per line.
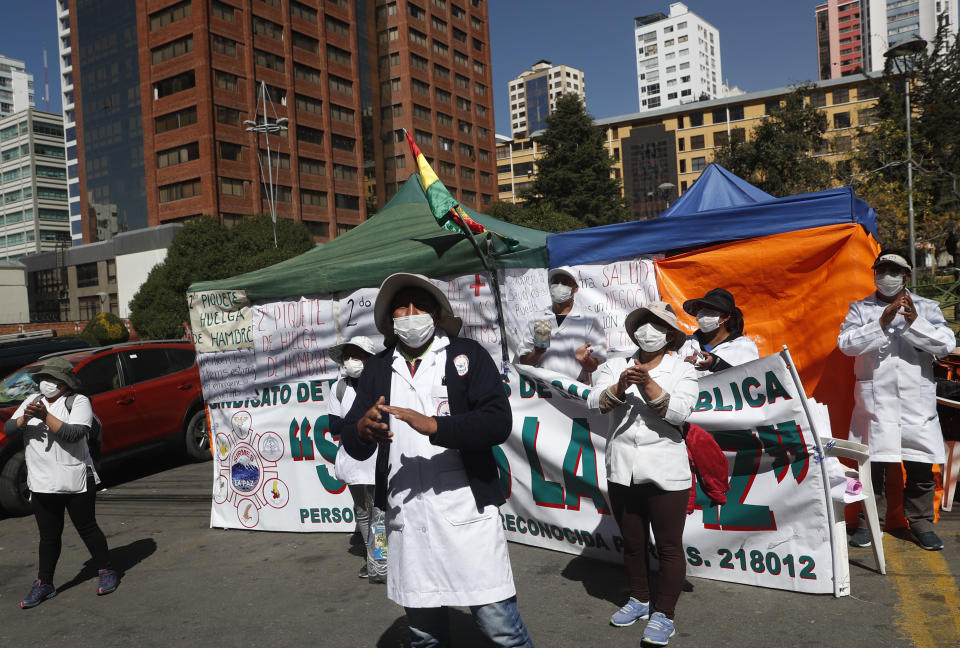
pixel 346 468
pixel 643 447
pixel 53 465
pixel 740 350
pixel 578 328
pixel 895 398
pixel 442 550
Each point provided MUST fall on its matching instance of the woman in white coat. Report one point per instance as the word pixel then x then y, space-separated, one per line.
pixel 60 473
pixel 895 336
pixel 719 343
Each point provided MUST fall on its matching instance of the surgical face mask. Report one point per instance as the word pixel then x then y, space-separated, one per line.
pixel 708 320
pixel 888 284
pixel 650 338
pixel 49 389
pixel 560 293
pixel 353 367
pixel 414 330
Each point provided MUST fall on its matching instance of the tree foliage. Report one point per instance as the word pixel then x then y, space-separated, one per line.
pixel 574 177
pixel 541 217
pixel 777 157
pixel 203 250
pixel 105 328
pixel 935 133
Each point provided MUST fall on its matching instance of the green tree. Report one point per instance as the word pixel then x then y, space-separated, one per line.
pixel 203 250
pixel 935 138
pixel 574 177
pixel 541 217
pixel 105 328
pixel 777 157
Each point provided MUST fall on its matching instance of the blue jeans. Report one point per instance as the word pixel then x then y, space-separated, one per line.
pixel 500 622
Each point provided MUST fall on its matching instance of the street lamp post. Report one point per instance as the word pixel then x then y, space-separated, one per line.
pixel 901 52
pixel 266 127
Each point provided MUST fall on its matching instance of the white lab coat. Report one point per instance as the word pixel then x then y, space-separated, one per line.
pixel 740 350
pixel 346 468
pixel 443 551
pixel 578 328
pixel 895 398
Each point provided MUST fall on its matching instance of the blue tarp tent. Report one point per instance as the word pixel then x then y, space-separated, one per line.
pixel 716 188
pixel 707 223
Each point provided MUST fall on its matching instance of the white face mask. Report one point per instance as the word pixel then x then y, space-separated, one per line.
pixel 414 330
pixel 353 367
pixel 708 320
pixel 49 389
pixel 888 284
pixel 650 338
pixel 560 293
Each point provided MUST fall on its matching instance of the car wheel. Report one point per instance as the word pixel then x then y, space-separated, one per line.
pixel 197 437
pixel 14 494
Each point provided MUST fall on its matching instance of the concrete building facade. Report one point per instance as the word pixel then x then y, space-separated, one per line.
pixel 160 93
pixel 678 59
pixel 674 145
pixel 533 94
pixel 16 86
pixel 34 215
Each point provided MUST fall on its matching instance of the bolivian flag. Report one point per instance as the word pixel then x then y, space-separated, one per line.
pixel 445 208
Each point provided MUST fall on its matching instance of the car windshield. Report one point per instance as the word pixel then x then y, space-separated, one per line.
pixel 18 385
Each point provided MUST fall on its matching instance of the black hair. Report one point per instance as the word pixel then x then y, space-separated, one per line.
pixel 735 323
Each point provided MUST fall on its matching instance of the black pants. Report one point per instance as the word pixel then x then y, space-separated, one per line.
pixel 48 509
pixel 918 493
pixel 636 508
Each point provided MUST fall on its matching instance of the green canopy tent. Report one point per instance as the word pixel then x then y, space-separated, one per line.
pixel 401 237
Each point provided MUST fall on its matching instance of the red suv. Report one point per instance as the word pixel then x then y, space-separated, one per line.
pixel 144 393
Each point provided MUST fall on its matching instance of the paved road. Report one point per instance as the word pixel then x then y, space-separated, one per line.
pixel 185 584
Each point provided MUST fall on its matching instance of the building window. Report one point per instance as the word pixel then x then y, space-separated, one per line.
pixel 423 138
pixel 87 275
pixel 174 84
pixel 443 119
pixel 228 116
pixel 267 28
pixel 277 160
pixel 440 71
pixel 232 187
pixel 309 104
pixel 302 11
pixel 736 113
pixel 307 73
pixel 230 151
pixel 179 119
pixel 58 173
pixel 420 87
pixel 304 42
pixel 179 190
pixel 421 112
pixel 344 172
pixel 313 198
pixel 269 60
pixel 223 11
pixel 310 166
pixel 44 128
pixel 169 15
pixel 841 95
pixel 337 26
pixel 841 120
pixel 172 50
pixel 345 201
pixel 818 99
pixel 698 164
pixel 339 56
pixel 697 142
pixel 343 143
pixel 340 84
pixel 226 81
pixel 225 46
pixel 443 96
pixel 309 135
pixel 178 155
pixel 47 150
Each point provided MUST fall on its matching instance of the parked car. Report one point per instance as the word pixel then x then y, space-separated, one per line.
pixel 18 349
pixel 144 393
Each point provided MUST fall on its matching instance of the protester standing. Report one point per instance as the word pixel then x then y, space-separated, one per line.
pixel 719 342
pixel 895 335
pixel 563 338
pixel 358 475
pixel 431 406
pixel 648 397
pixel 60 473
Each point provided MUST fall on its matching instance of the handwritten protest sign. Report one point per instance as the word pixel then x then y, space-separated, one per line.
pixel 220 320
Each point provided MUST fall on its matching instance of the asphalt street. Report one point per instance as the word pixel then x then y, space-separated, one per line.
pixel 185 584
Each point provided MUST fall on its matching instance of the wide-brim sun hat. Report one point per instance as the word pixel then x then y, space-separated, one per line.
pixel 362 342
pixel 59 369
pixel 383 314
pixel 717 299
pixel 663 313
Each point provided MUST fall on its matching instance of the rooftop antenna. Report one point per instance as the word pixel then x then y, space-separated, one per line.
pixel 46 84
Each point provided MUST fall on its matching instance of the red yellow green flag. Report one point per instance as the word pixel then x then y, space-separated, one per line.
pixel 445 208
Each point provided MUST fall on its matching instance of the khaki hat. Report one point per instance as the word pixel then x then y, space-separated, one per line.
pixel 59 369
pixel 361 342
pixel 661 311
pixel 383 315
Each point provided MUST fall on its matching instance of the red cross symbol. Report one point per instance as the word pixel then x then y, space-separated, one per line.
pixel 477 286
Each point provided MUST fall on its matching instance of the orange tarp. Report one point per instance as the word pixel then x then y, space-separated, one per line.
pixel 794 289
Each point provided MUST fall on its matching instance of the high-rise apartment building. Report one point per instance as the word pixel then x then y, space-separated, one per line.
pixel 678 58
pixel 853 35
pixel 33 184
pixel 16 86
pixel 172 84
pixel 533 94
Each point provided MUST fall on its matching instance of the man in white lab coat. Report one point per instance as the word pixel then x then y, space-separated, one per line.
pixel 895 335
pixel 432 406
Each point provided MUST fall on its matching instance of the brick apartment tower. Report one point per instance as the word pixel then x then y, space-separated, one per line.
pixel 346 74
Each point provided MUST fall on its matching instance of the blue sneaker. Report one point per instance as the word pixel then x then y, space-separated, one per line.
pixel 629 613
pixel 108 581
pixel 658 630
pixel 39 593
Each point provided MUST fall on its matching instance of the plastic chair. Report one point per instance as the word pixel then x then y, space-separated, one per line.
pixel 951 470
pixel 858 452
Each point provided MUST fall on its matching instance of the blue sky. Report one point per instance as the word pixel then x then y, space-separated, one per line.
pixel 764 44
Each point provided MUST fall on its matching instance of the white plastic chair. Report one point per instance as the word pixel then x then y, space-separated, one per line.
pixel 951 470
pixel 858 452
